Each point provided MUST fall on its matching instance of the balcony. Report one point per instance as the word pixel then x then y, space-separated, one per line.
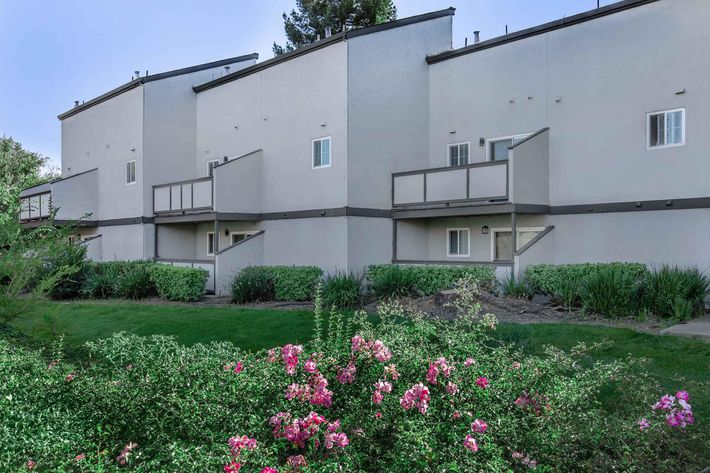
pixel 195 195
pixel 72 198
pixel 520 182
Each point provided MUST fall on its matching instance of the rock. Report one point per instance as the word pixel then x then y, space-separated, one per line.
pixel 541 299
pixel 442 298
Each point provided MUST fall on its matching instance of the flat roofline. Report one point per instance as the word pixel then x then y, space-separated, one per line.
pixel 540 29
pixel 335 38
pixel 153 77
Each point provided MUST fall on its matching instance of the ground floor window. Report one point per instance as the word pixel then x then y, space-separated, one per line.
pixel 210 243
pixel 502 241
pixel 458 242
pixel 240 236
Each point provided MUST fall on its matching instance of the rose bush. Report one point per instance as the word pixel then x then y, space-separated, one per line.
pixel 408 394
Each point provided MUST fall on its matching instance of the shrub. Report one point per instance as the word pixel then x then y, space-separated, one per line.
pixel 424 395
pixel 670 289
pixel 101 280
pixel 515 286
pixel 283 283
pixel 342 290
pixel 548 279
pixel 69 260
pixel 177 283
pixel 253 284
pixel 387 280
pixel 609 291
pixel 392 281
pixel 568 293
pixel 295 283
pixel 133 281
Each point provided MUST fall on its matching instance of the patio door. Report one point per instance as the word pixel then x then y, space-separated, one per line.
pixel 502 244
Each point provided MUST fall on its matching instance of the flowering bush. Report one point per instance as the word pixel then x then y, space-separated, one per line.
pixel 419 395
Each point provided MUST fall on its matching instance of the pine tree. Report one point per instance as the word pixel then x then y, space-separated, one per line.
pixel 311 17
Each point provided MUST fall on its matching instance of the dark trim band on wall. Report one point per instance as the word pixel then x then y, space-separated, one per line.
pixel 637 206
pixel 287 215
pixel 506 264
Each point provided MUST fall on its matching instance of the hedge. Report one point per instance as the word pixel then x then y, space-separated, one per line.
pixel 282 283
pixel 128 279
pixel 177 283
pixel 385 279
pixel 551 279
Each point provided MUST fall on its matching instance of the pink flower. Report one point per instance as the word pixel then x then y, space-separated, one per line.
pixel 469 361
pixel 296 461
pixel 417 396
pixel 432 373
pixel 665 403
pixel 516 365
pixel 479 426
pixel 470 443
pixel 237 444
pixel 482 382
pixel 347 375
pixel 268 469
pixel 232 467
pixel 682 396
pixel 52 365
pixel 31 464
pixel 439 366
pixel 70 377
pixel 382 353
pixel 358 344
pixel 378 414
pixel 452 388
pixel 272 355
pixel 391 372
pixel 456 415
pixel 310 366
pixel 644 424
pixel 377 396
pixel 336 439
pixel 290 353
pixel 79 457
pixel 122 457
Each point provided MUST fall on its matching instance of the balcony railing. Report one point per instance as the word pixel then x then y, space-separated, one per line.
pixel 475 182
pixel 185 196
pixel 35 207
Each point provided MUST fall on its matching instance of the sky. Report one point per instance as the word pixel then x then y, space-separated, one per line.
pixel 53 52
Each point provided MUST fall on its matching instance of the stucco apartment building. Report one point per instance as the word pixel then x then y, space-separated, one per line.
pixel 580 140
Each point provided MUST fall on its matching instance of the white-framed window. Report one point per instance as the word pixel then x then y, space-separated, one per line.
pixel 497 148
pixel 457 242
pixel 459 153
pixel 210 244
pixel 321 152
pixel 665 129
pixel 130 172
pixel 239 236
pixel 210 167
pixel 502 241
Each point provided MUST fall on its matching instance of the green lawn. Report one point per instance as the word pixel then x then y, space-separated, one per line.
pixel 676 362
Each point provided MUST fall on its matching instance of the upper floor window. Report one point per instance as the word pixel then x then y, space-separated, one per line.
pixel 666 129
pixel 458 242
pixel 210 167
pixel 321 152
pixel 130 172
pixel 498 147
pixel 458 154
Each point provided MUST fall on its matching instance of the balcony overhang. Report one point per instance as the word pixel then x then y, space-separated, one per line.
pixel 491 208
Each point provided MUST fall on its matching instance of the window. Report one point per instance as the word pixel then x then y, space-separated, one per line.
pixel 239 236
pixel 72 239
pixel 458 154
pixel 666 129
pixel 321 153
pixel 502 241
pixel 130 172
pixel 457 242
pixel 210 167
pixel 210 244
pixel 498 147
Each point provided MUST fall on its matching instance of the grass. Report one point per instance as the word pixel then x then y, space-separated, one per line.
pixel 675 362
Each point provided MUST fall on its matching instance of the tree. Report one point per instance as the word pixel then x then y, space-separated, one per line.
pixel 19 169
pixel 311 17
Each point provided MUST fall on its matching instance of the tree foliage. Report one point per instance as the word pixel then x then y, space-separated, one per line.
pixel 311 17
pixel 19 169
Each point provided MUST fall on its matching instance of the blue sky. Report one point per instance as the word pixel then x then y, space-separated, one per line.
pixel 56 51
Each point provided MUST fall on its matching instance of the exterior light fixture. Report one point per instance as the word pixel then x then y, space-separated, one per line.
pixel 484 230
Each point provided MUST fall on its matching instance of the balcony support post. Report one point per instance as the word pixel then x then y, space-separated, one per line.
pixel 216 236
pixel 394 240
